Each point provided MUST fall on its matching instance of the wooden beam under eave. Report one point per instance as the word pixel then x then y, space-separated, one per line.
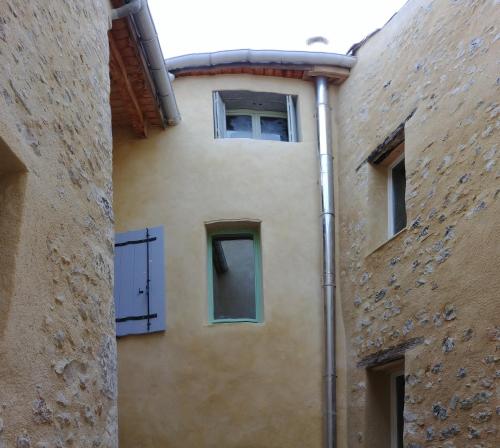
pixel 137 117
pixel 337 75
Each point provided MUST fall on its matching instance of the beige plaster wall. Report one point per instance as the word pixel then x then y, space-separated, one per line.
pixel 225 385
pixel 57 345
pixel 438 279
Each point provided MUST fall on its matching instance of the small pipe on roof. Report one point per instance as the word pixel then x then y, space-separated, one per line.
pixel 138 10
pixel 317 40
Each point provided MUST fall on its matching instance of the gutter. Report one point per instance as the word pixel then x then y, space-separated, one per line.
pixel 138 11
pixel 259 57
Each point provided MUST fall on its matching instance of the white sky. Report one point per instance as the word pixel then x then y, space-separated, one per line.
pixel 194 26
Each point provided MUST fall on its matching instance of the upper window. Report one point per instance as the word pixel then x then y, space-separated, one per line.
pixel 396 195
pixel 390 157
pixel 390 174
pixel 257 115
pixel 234 277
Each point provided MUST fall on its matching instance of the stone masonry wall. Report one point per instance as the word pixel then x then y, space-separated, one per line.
pixel 439 278
pixel 57 345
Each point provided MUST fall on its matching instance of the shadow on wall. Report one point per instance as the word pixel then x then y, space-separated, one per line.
pixel 13 176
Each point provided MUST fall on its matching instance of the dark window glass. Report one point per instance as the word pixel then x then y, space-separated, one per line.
pixel 398 194
pixel 274 128
pixel 400 406
pixel 239 126
pixel 233 260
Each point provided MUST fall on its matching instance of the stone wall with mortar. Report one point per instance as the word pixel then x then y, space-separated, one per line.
pixel 57 345
pixel 438 279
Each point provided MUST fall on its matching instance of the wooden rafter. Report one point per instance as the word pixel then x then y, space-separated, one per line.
pixel 119 72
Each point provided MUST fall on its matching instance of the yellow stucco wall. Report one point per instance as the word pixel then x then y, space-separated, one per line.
pixel 227 385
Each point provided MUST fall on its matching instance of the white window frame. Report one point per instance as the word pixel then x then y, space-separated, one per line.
pixel 220 113
pixel 390 196
pixel 292 119
pixel 394 407
pixel 256 115
pixel 219 116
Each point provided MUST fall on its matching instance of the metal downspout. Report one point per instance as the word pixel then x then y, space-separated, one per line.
pixel 328 280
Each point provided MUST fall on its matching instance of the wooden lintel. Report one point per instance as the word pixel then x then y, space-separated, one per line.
pixel 389 354
pixel 138 122
pixel 392 141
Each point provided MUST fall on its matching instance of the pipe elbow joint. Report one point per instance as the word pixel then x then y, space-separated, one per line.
pixel 126 10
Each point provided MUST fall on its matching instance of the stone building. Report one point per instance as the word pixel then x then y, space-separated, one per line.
pixel 431 289
pixel 214 230
pixel 57 344
pixel 57 332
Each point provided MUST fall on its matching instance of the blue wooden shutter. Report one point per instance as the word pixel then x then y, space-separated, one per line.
pixel 139 304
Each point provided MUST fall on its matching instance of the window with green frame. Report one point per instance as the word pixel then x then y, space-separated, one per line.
pixel 234 276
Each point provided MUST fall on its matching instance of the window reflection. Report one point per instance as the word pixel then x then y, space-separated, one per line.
pixel 239 126
pixel 274 128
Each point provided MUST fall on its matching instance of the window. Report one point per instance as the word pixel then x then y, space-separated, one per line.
pixel 386 210
pixel 13 179
pixel 397 408
pixel 396 196
pixel 139 282
pixel 385 405
pixel 256 115
pixel 234 276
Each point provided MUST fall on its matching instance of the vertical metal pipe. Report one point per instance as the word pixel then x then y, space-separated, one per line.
pixel 328 280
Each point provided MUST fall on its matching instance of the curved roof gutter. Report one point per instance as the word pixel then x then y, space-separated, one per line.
pixel 259 57
pixel 138 10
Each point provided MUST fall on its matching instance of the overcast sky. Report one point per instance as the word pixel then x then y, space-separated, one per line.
pixel 193 26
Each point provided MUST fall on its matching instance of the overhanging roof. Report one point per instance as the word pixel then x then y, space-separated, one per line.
pixel 288 64
pixel 133 99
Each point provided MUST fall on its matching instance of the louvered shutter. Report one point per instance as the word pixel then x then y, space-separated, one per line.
pixel 139 304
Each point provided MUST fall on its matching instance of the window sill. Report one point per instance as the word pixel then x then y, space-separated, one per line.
pixel 234 321
pixel 386 242
pixel 236 139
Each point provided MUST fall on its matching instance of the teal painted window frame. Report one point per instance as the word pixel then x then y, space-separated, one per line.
pixel 259 315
